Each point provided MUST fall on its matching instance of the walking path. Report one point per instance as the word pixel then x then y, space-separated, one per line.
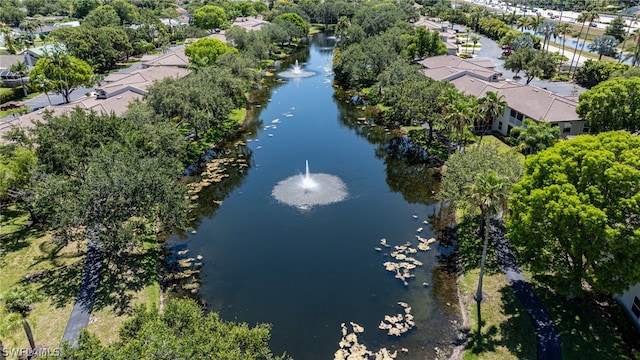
pixel 81 312
pixel 547 336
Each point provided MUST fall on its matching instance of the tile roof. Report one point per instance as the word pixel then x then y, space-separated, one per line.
pixel 139 80
pixel 534 102
pixel 174 58
pixel 473 79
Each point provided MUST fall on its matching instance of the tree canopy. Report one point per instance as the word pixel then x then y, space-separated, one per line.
pixel 208 50
pixel 464 167
pixel 107 178
pixel 66 73
pixel 575 213
pixel 209 17
pixel 181 331
pixel 612 105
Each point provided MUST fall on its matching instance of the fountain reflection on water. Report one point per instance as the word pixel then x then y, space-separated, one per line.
pixel 296 72
pixel 307 190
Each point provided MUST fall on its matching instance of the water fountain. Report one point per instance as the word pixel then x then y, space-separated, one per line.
pixel 307 190
pixel 296 72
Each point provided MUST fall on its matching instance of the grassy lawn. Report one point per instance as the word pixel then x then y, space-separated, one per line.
pixel 507 332
pixel 23 250
pixel 26 250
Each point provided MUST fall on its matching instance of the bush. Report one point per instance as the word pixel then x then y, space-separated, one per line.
pixel 10 94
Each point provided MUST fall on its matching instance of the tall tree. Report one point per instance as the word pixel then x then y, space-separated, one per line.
pixel 604 45
pixel 67 73
pixel 209 17
pixel 21 69
pixel 616 29
pixel 612 105
pixel 488 193
pixel 590 16
pixel 582 18
pixel 104 15
pixel 574 215
pixel 492 106
pixel 563 30
pixel 547 29
pixel 18 302
pixel 415 101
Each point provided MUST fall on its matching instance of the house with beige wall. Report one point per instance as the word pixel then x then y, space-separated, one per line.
pixel 523 101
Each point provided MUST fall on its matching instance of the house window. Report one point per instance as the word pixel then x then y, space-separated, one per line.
pixel 500 125
pixel 566 130
pixel 585 129
pixel 520 117
pixel 513 113
pixel 635 308
pixel 509 129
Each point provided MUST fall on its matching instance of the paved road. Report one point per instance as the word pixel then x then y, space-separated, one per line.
pixel 492 51
pixel 81 312
pixel 548 339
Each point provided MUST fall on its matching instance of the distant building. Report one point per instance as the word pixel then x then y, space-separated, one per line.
pixel 8 78
pixel 447 33
pixel 523 101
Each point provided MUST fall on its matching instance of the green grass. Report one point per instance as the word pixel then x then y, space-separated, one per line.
pixel 23 250
pixel 507 332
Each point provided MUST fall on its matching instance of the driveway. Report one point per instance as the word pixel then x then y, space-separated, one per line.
pixel 492 51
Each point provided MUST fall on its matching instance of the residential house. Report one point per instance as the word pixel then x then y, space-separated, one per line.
pixel 447 34
pixel 31 56
pixel 523 101
pixel 8 78
pixel 113 96
pixel 175 58
pixel 630 301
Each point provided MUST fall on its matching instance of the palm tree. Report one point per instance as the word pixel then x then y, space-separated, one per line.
pixel 18 304
pixel 634 50
pixel 458 118
pixel 20 69
pixel 590 16
pixel 41 82
pixel 488 193
pixel 492 106
pixel 474 40
pixel 583 19
pixel 523 22
pixel 547 29
pixel 563 30
pixel 535 22
pixel 535 136
pixel 633 21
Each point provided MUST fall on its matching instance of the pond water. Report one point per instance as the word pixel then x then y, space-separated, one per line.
pixel 307 269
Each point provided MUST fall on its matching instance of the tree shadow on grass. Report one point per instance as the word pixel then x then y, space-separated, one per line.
pixel 121 276
pixel 124 275
pixel 17 239
pixel 62 283
pixel 515 334
pixel 590 328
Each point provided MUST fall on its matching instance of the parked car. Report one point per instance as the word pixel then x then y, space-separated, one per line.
pixel 11 106
pixel 593 24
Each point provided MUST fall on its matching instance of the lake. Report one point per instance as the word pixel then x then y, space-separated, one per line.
pixel 307 269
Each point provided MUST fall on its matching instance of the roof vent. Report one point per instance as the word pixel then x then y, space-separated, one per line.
pixel 119 97
pixel 536 90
